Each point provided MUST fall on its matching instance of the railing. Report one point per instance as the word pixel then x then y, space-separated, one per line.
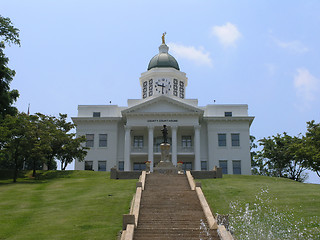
pixel 139 149
pixel 156 149
pixel 182 149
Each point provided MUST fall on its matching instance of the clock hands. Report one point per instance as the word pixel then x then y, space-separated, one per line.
pixel 162 86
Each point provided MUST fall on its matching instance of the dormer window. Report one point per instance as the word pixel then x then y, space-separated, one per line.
pixel 96 114
pixel 228 114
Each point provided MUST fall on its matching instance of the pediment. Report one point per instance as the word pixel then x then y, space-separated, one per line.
pixel 162 104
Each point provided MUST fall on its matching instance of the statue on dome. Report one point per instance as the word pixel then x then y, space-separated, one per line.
pixel 163 40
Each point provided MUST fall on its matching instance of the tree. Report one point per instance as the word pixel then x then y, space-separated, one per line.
pixel 66 146
pixel 60 136
pixel 296 159
pixel 50 139
pixel 281 156
pixel 10 35
pixel 254 164
pixel 38 142
pixel 13 141
pixel 312 146
pixel 72 150
pixel 31 141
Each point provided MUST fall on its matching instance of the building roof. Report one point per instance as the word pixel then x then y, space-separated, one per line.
pixel 163 59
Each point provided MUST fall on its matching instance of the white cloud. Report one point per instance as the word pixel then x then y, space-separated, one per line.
pixel 293 46
pixel 306 85
pixel 199 56
pixel 227 34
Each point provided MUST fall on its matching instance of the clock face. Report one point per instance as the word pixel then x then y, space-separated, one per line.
pixel 163 86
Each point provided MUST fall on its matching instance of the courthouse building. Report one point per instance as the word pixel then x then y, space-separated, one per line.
pixel 201 137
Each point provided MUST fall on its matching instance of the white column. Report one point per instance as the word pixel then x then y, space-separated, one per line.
pixel 150 147
pixel 212 137
pixel 197 161
pixel 127 146
pixel 174 145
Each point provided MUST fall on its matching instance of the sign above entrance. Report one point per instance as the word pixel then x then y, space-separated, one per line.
pixel 162 120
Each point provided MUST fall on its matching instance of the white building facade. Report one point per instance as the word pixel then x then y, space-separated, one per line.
pixel 200 137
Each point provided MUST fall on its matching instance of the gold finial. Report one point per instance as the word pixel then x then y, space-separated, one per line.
pixel 163 40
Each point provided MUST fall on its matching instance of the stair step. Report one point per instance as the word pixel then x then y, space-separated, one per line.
pixel 169 209
pixel 175 233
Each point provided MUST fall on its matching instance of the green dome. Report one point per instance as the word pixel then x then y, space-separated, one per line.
pixel 163 59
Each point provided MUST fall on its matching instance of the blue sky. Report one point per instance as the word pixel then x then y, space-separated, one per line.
pixel 261 53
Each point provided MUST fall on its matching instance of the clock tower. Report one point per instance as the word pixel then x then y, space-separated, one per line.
pixel 163 76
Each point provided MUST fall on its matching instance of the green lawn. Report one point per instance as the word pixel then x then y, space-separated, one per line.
pixel 64 205
pixel 259 205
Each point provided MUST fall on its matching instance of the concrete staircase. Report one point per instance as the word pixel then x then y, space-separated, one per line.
pixel 170 210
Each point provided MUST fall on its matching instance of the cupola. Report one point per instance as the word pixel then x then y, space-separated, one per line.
pixel 163 59
pixel 163 76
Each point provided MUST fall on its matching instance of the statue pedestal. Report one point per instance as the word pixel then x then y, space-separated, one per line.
pixel 165 152
pixel 165 166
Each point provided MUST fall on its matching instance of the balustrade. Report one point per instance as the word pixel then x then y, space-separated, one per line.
pixel 156 149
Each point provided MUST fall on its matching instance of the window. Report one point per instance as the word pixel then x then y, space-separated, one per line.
pixel 175 87
pixel 187 166
pixel 96 114
pixel 150 87
pixel 181 89
pixel 103 140
pixel 236 165
pixel 228 114
pixel 144 89
pixel 121 166
pixel 204 166
pixel 138 141
pixel 90 140
pixel 224 165
pixel 88 165
pixel 235 139
pixel 222 140
pixel 139 166
pixel 186 141
pixel 102 166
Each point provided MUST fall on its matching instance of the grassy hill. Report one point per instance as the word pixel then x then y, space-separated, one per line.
pixel 89 205
pixel 64 205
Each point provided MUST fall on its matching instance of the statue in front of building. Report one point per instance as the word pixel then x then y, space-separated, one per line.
pixel 165 134
pixel 165 149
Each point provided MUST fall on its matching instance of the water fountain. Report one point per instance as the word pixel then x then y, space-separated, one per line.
pixel 261 220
